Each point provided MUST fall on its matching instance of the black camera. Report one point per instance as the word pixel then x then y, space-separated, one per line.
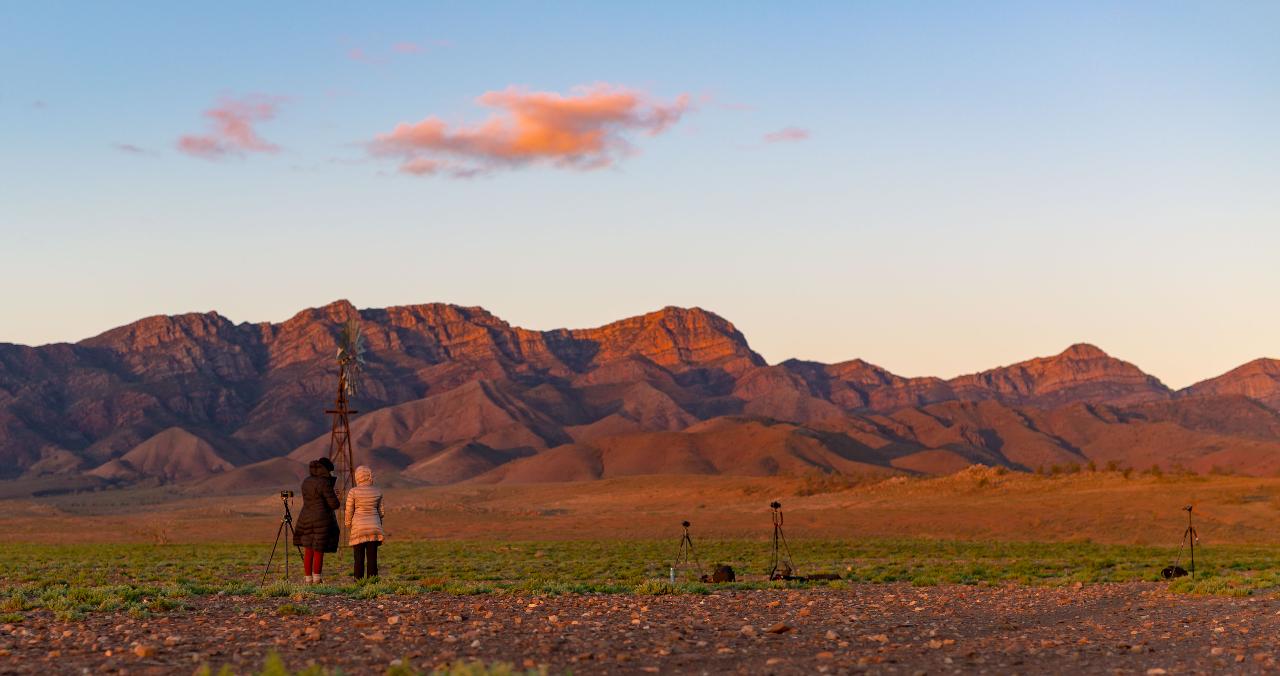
pixel 775 504
pixel 285 495
pixel 684 523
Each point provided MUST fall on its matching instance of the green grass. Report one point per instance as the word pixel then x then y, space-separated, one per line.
pixel 147 579
pixel 275 666
pixel 292 609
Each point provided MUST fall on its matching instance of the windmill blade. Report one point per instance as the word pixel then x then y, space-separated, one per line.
pixel 351 353
pixel 350 340
pixel 357 336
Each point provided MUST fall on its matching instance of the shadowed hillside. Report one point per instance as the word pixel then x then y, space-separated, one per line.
pixel 455 394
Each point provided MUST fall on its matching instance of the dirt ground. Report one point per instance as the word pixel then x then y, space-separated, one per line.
pixel 1122 628
pixel 971 505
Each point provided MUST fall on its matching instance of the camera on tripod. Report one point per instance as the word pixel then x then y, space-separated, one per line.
pixel 285 532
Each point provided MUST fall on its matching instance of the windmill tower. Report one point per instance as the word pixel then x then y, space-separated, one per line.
pixel 350 362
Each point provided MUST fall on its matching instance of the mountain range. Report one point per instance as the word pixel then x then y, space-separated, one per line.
pixel 455 394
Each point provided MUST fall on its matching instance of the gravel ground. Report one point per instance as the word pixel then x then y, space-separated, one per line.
pixel 1125 628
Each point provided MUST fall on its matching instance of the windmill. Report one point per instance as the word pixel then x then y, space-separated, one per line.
pixel 350 362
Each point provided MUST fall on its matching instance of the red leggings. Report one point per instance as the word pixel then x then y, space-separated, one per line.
pixel 312 561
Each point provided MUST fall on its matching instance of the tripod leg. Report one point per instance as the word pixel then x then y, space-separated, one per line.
pixel 301 559
pixel 786 549
pixel 1191 533
pixel 275 544
pixel 773 562
pixel 288 538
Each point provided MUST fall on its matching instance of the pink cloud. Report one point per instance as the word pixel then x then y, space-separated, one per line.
pixel 787 135
pixel 383 54
pixel 233 130
pixel 585 129
pixel 421 166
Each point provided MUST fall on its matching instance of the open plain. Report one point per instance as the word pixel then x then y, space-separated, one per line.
pixel 980 571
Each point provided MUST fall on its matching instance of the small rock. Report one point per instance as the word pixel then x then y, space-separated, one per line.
pixel 779 628
pixel 748 631
pixel 171 641
pixel 1156 671
pixel 774 661
pixel 831 635
pixel 376 637
pixel 143 650
pixel 327 617
pixel 826 655
pixel 394 619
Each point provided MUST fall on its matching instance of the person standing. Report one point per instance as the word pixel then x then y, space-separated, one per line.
pixel 317 529
pixel 364 522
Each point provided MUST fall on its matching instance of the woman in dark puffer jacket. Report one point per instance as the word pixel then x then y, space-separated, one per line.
pixel 317 528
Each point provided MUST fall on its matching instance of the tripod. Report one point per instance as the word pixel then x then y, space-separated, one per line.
pixel 1189 537
pixel 286 530
pixel 782 565
pixel 685 555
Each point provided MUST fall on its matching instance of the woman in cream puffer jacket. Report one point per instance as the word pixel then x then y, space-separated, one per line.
pixel 364 522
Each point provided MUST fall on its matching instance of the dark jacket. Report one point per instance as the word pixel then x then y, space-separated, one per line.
pixel 317 528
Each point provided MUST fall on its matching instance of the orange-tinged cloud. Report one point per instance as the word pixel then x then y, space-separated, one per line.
pixel 585 129
pixel 233 130
pixel 787 135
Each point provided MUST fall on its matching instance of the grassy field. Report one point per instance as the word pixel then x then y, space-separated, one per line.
pixel 143 579
pixel 150 552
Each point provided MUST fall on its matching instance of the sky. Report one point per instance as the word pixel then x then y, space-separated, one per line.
pixel 935 187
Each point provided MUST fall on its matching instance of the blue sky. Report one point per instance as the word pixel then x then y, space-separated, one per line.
pixel 980 182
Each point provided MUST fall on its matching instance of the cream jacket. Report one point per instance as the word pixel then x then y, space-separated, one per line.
pixel 364 509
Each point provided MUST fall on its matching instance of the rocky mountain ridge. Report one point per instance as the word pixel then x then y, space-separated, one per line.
pixel 455 393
